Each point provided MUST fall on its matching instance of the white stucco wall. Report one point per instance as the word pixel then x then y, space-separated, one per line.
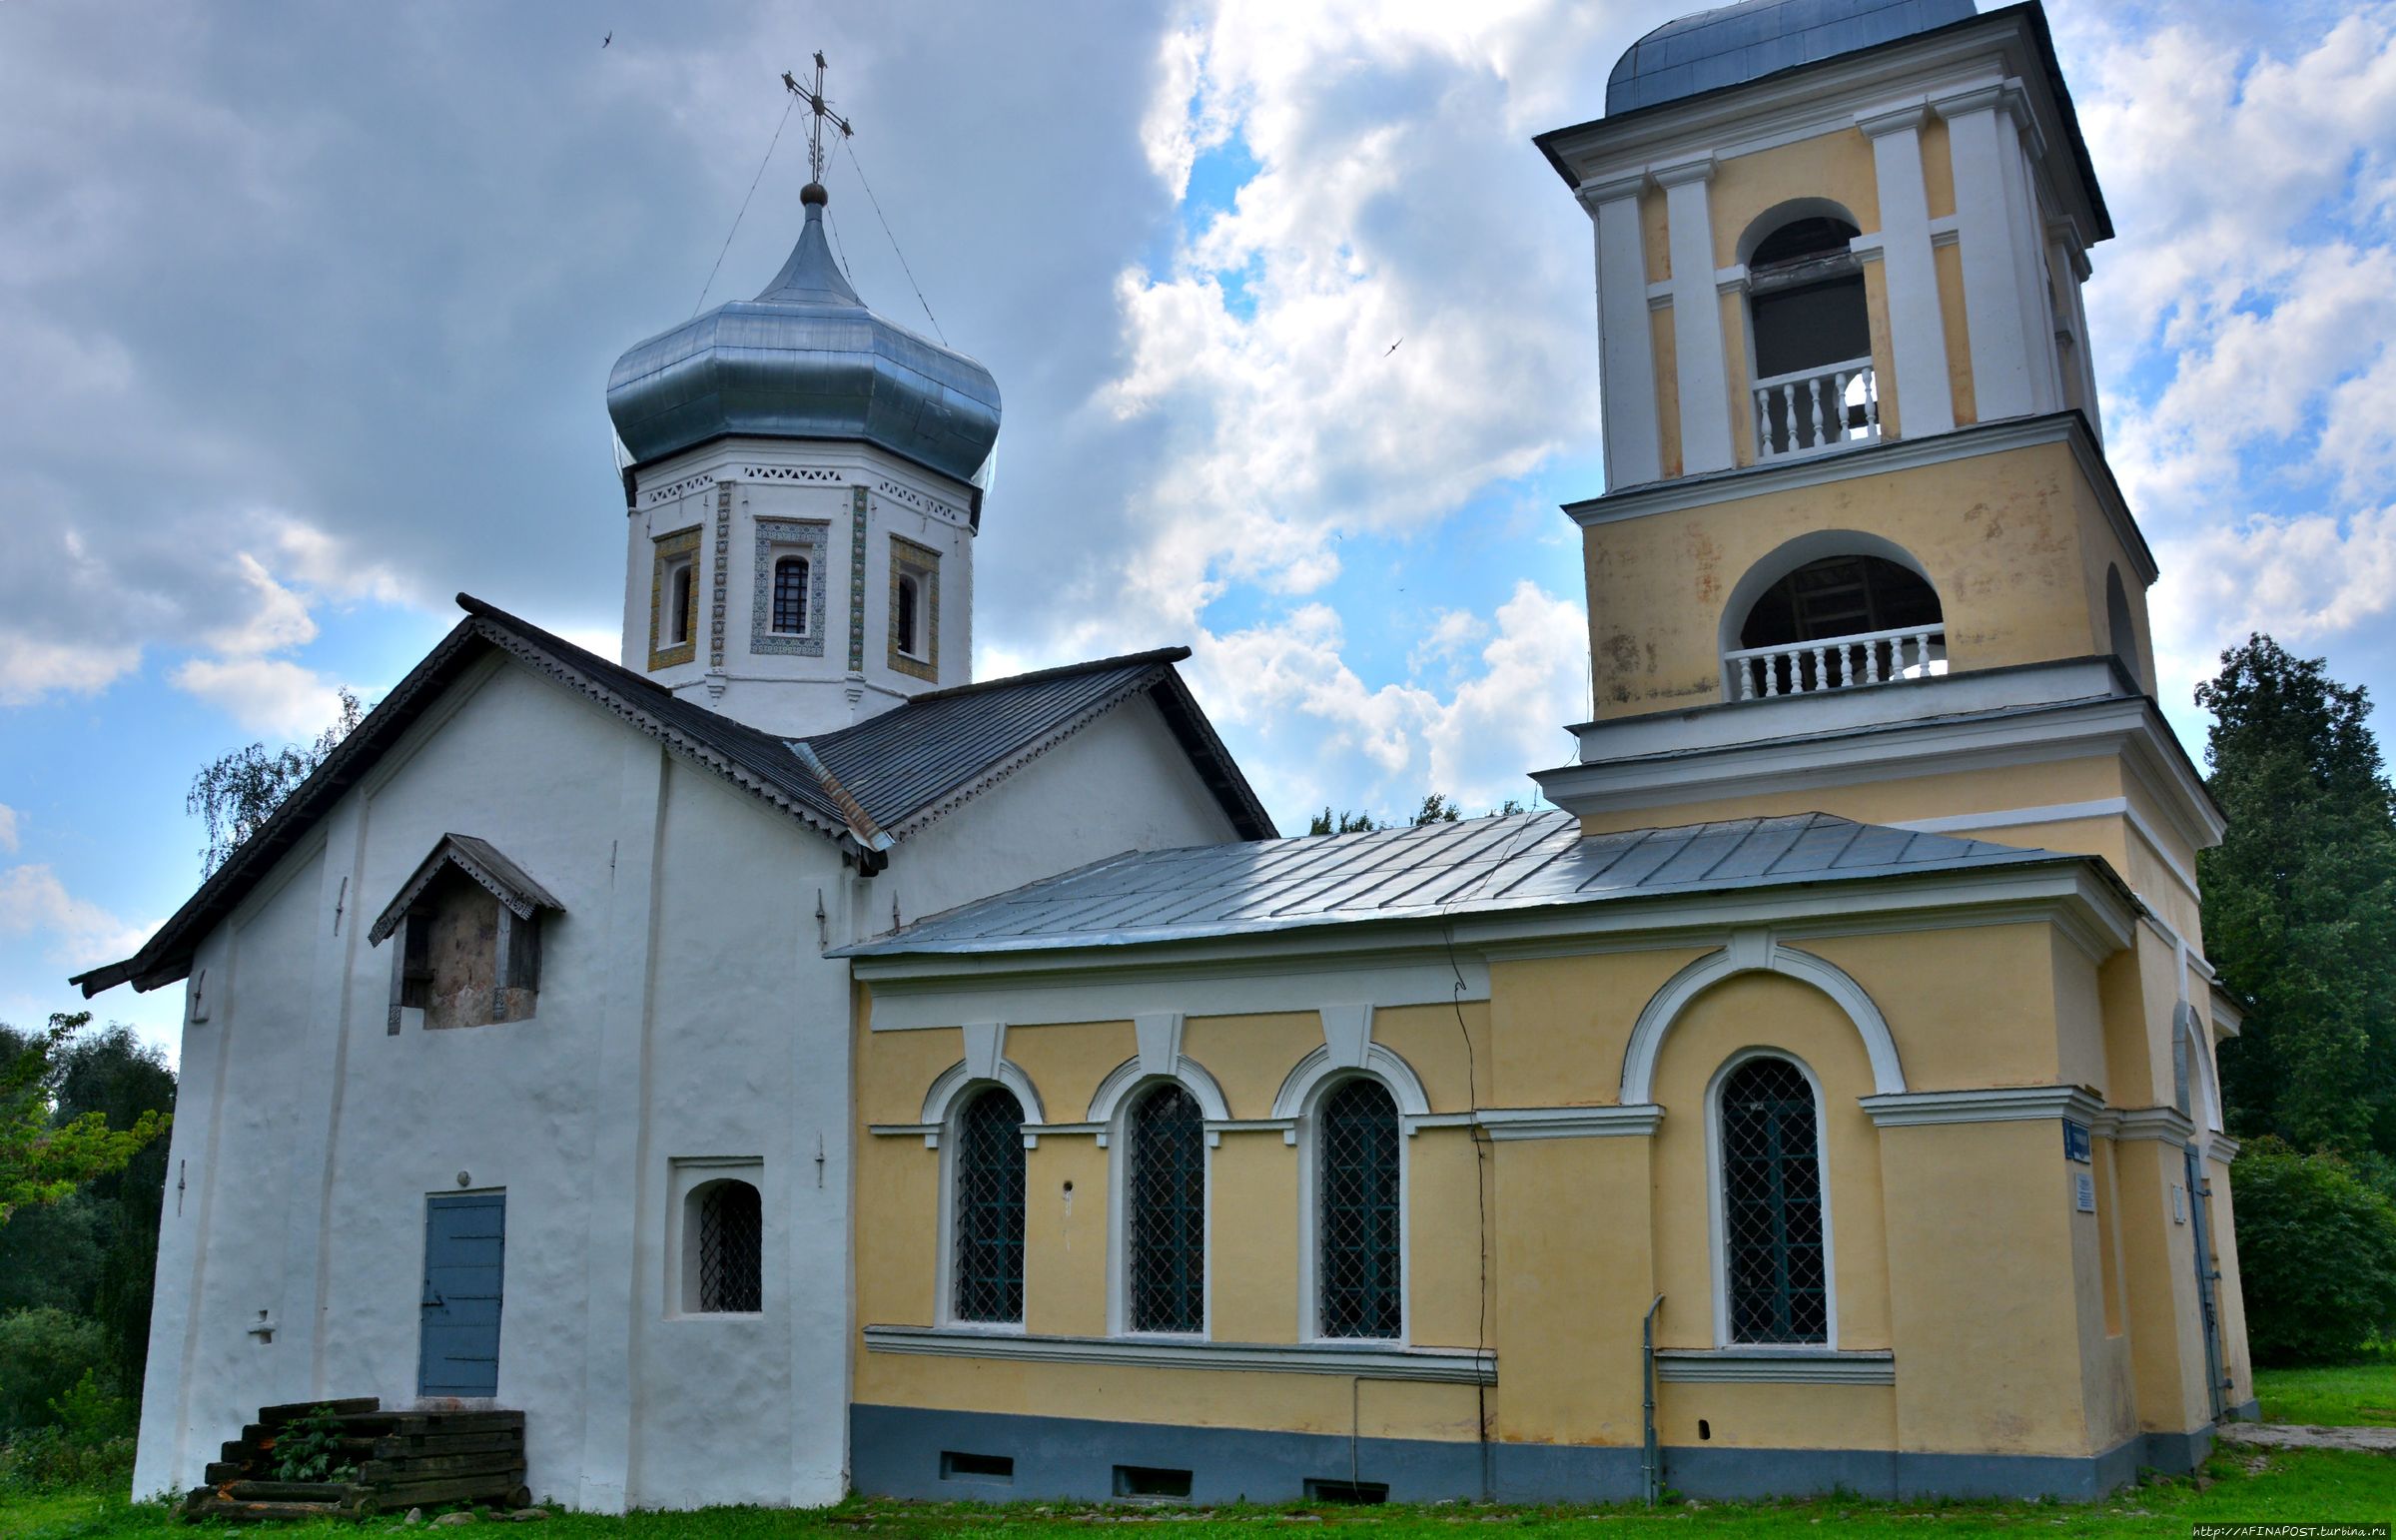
pixel 684 1013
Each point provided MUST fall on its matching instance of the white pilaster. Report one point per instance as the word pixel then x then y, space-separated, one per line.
pixel 1917 331
pixel 1626 351
pixel 1979 134
pixel 2071 272
pixel 2018 145
pixel 1696 319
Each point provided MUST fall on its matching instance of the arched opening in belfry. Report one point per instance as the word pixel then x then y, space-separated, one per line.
pixel 1810 332
pixel 1838 622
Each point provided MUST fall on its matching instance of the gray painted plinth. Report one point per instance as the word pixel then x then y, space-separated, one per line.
pixel 895 1451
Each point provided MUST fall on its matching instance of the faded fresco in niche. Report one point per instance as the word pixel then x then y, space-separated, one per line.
pixel 456 976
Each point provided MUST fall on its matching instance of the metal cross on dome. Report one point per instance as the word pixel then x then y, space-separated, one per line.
pixel 814 98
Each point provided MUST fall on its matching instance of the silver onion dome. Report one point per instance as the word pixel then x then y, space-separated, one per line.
pixel 1733 44
pixel 805 359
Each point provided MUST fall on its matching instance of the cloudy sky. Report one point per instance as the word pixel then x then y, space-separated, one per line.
pixel 306 313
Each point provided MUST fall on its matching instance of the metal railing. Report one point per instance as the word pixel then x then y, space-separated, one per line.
pixel 1822 408
pixel 1837 662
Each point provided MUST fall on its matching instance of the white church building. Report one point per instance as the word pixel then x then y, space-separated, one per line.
pixel 514 1073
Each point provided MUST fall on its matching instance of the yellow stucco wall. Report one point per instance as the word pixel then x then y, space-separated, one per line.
pixel 1938 169
pixel 2004 537
pixel 1837 166
pixel 1956 328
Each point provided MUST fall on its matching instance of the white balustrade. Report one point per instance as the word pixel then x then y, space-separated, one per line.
pixel 1817 408
pixel 1837 662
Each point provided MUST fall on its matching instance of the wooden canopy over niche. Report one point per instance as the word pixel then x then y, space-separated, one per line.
pixel 470 952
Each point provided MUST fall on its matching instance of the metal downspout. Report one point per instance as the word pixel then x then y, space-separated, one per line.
pixel 1651 1459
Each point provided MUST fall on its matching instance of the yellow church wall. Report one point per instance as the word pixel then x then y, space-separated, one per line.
pixel 1561 1024
pixel 1938 169
pixel 1066 1063
pixel 1956 326
pixel 899 1264
pixel 2000 534
pixel 1837 166
pixel 1254 1267
pixel 1775 1417
pixel 2080 1057
pixel 1297 1403
pixel 1768 1012
pixel 1738 378
pixel 1249 1056
pixel 1984 1275
pixel 2166 1343
pixel 1664 342
pixel 1655 234
pixel 1574 1260
pixel 1957 1001
pixel 1890 385
pixel 1066 1236
pixel 1443 1221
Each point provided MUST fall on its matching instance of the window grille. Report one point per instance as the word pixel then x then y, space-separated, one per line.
pixel 1772 1206
pixel 731 1240
pixel 1168 1203
pixel 790 595
pixel 1359 1269
pixel 988 1165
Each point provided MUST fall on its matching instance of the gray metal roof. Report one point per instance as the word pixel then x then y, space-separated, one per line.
pixel 907 764
pixel 1737 43
pixel 805 359
pixel 1478 866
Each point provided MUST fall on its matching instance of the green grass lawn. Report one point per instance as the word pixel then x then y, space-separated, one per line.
pixel 2237 1487
pixel 2357 1395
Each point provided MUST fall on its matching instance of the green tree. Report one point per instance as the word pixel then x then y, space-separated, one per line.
pixel 1342 822
pixel 114 1075
pixel 2300 903
pixel 235 793
pixel 2316 1255
pixel 44 1157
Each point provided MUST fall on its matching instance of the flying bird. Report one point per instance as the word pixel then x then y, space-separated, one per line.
pixel 1392 348
pixel 609 38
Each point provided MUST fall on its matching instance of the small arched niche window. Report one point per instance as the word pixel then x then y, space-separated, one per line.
pixel 724 1230
pixel 1836 622
pixel 905 624
pixel 987 1248
pixel 1359 1268
pixel 1775 1250
pixel 791 576
pixel 1812 338
pixel 1164 1203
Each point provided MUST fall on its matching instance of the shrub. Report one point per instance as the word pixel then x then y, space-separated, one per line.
pixel 43 1354
pixel 47 1459
pixel 309 1448
pixel 2317 1253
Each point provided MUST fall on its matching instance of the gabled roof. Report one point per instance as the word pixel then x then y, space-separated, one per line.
pixel 482 863
pixel 911 764
pixel 1477 866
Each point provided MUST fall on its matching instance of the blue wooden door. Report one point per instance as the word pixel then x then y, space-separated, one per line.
pixel 465 1253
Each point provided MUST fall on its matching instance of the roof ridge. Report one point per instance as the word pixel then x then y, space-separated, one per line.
pixel 1061 671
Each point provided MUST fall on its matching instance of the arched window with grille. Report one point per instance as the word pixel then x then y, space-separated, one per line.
pixel 1165 1202
pixel 1359 1269
pixel 729 1239
pixel 987 1246
pixel 790 595
pixel 1775 1242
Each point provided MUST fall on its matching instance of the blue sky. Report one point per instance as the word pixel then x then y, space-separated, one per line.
pixel 309 313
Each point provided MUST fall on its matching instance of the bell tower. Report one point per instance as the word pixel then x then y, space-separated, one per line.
pixel 803 498
pixel 1859 550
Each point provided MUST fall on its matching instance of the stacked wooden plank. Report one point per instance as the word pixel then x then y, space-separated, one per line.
pixel 399 1459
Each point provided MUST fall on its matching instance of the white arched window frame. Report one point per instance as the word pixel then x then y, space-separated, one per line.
pixel 945 1102
pixel 1717 1219
pixel 1112 1107
pixel 793 576
pixel 1309 1174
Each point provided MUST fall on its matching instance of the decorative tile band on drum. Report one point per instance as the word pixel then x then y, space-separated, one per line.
pixel 896 1451
pixel 857 503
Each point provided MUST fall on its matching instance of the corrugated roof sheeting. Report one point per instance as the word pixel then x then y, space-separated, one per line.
pixel 1479 865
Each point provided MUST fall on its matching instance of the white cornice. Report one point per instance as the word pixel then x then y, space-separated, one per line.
pixel 2221 1148
pixel 1828 97
pixel 2164 1124
pixel 1348 1360
pixel 1507 1124
pixel 2009 1104
pixel 1774 1366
